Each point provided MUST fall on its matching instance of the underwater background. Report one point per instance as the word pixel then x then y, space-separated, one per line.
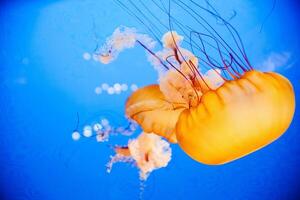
pixel 47 78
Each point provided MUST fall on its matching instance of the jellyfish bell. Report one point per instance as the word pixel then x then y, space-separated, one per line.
pixel 148 107
pixel 238 118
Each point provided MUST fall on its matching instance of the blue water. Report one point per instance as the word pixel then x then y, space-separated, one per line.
pixel 45 82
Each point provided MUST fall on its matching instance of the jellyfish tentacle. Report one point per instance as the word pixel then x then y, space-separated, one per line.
pixel 189 64
pixel 208 27
pixel 152 25
pixel 118 158
pixel 229 26
pixel 232 59
pixel 126 8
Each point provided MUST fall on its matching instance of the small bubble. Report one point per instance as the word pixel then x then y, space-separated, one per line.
pixel 124 87
pixel 110 90
pixel 133 87
pixel 75 135
pixel 98 90
pixel 97 127
pixel 87 131
pixel 117 87
pixel 104 86
pixel 86 56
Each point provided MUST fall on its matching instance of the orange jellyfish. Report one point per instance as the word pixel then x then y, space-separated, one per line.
pixel 210 100
pixel 217 116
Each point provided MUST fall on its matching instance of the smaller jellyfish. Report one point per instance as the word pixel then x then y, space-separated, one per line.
pixel 147 152
pixel 121 39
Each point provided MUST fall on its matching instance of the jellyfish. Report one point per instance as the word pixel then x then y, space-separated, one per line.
pixel 209 98
pixel 147 152
pixel 214 120
pixel 121 39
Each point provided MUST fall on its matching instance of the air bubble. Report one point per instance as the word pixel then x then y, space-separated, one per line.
pixel 98 90
pixel 86 56
pixel 75 135
pixel 133 87
pixel 87 131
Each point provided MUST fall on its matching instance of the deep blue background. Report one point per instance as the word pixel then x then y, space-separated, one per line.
pixel 44 82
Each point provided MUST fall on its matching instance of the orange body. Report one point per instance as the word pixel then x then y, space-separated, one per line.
pixel 238 118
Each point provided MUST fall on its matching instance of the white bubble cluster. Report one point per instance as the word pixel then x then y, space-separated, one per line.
pixel 94 57
pixel 116 88
pixel 102 129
